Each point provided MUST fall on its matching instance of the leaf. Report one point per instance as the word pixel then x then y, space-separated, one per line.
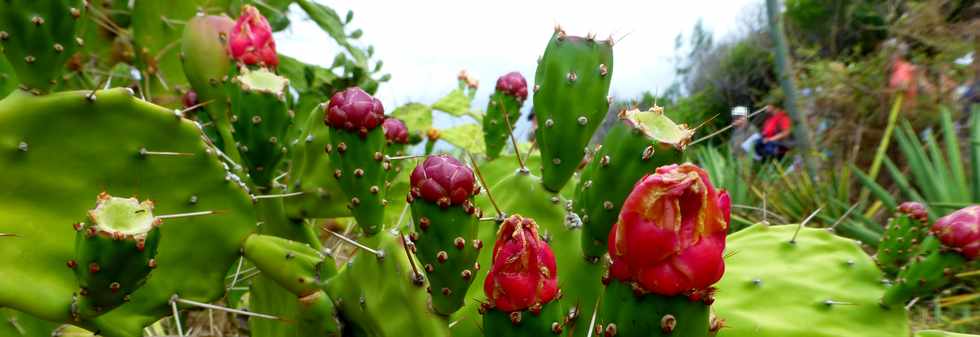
pixel 295 71
pixel 456 103
pixel 329 21
pixel 417 117
pixel 466 136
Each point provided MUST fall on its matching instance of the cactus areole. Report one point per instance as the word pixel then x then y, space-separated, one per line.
pixel 524 274
pixel 443 180
pixel 670 236
pixel 354 110
pixel 960 231
pixel 250 41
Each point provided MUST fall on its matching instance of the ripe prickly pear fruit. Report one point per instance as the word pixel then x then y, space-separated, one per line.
pixel 641 142
pixel 250 41
pixel 903 234
pixel 504 107
pixel 446 220
pixel 260 118
pixel 396 136
pixel 38 37
pixel 570 101
pixel 356 150
pixel 522 284
pixel 667 251
pixel 955 241
pixel 114 253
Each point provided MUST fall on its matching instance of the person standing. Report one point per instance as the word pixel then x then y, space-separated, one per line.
pixel 744 133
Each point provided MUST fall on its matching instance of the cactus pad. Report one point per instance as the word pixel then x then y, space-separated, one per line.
pixel 820 286
pixel 260 119
pixel 571 84
pixel 38 37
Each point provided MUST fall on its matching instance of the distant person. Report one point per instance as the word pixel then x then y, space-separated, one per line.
pixel 744 134
pixel 775 133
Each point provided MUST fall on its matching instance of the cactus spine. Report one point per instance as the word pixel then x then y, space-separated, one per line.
pixel 571 84
pixel 634 147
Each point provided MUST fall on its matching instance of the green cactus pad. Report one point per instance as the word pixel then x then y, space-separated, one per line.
pixel 495 129
pixel 571 84
pixel 899 243
pixel 820 286
pixel 624 314
pixel 18 324
pixel 938 333
pixel 932 268
pixel 394 150
pixel 38 37
pixel 114 253
pixel 60 150
pixel 310 173
pixel 295 266
pixel 447 248
pixel 634 147
pixel 381 295
pixel 318 316
pixel 547 322
pixel 358 164
pixel 260 119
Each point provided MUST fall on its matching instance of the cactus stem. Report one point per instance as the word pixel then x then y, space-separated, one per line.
pixel 803 223
pixel 275 196
pixel 186 215
pixel 355 243
pixel 175 299
pixel 476 169
pixel 144 152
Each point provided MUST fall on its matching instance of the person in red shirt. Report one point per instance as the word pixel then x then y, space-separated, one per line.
pixel 775 130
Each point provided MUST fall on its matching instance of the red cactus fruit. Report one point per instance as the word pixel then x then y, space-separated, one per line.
pixel 189 99
pixel 354 110
pixel 250 41
pixel 670 236
pixel 443 180
pixel 513 84
pixel 914 210
pixel 395 130
pixel 960 231
pixel 523 274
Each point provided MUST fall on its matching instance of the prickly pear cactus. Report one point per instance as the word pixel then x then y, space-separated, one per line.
pixel 571 84
pixel 114 253
pixel 446 221
pixel 206 63
pixel 260 118
pixel 503 111
pixel 380 293
pixel 38 37
pixel 813 284
pixel 396 137
pixel 295 266
pixel 634 147
pixel 59 151
pixel 903 234
pixel 356 150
